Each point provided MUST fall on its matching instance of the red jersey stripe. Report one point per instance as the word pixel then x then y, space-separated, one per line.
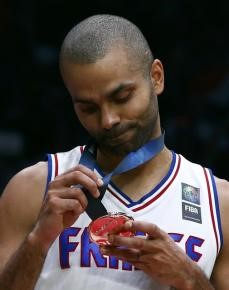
pixel 56 165
pixel 162 191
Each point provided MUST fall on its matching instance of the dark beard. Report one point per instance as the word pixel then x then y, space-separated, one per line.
pixel 142 133
pixel 140 137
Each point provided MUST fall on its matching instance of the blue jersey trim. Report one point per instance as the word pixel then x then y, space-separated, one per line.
pixel 217 207
pixel 159 185
pixel 49 176
pixel 155 189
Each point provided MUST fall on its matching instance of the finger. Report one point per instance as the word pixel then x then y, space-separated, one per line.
pixel 131 243
pixel 76 178
pixel 69 193
pixel 130 255
pixel 152 230
pixel 143 244
pixel 133 256
pixel 60 206
pixel 87 171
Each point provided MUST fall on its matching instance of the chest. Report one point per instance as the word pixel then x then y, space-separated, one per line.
pixel 188 224
pixel 183 204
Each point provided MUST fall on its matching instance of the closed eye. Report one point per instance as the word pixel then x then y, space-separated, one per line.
pixel 123 98
pixel 87 109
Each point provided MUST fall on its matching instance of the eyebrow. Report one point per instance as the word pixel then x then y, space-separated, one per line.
pixel 110 94
pixel 119 88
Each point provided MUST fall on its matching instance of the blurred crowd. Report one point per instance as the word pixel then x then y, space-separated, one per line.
pixel 190 38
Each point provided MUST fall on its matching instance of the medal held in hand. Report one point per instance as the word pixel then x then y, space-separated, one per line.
pixel 102 226
pixel 102 222
pixel 132 160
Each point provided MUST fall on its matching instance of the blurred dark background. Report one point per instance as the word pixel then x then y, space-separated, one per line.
pixel 191 39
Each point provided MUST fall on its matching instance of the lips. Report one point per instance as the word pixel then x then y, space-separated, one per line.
pixel 119 139
pixel 113 134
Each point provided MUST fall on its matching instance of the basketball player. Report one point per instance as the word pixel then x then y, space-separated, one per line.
pixel 179 208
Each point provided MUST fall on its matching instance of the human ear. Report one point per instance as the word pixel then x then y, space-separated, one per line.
pixel 157 76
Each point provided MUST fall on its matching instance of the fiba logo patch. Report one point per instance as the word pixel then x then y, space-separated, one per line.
pixel 191 212
pixel 190 193
pixel 190 203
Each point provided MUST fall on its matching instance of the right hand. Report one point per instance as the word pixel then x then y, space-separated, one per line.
pixel 64 203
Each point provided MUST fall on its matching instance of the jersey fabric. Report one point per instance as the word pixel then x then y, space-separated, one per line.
pixel 184 204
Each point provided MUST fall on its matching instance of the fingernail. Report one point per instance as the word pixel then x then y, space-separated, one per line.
pixel 97 194
pixel 99 182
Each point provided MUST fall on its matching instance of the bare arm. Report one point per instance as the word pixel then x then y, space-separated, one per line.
pixel 220 275
pixel 29 225
pixel 19 207
pixel 23 269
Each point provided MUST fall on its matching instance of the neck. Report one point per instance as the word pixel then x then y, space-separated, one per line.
pixel 108 161
pixel 140 180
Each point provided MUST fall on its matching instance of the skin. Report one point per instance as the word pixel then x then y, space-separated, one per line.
pixel 103 101
pixel 114 103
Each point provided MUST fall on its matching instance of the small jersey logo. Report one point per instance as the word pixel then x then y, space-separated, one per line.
pixel 191 212
pixel 190 193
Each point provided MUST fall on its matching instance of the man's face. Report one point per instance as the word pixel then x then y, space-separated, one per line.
pixel 115 103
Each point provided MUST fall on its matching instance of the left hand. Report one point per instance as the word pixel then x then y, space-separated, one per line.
pixel 157 254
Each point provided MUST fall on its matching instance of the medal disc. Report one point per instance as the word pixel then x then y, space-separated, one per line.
pixel 101 227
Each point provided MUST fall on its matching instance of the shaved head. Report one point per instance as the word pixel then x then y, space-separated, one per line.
pixel 91 39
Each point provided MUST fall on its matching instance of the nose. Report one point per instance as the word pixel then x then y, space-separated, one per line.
pixel 109 117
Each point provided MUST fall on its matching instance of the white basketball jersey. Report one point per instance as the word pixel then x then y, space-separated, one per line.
pixel 184 204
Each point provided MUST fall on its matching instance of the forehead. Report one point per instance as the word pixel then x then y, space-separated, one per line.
pixel 106 73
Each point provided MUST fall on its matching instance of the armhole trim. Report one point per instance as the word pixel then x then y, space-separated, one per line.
pixel 214 208
pixel 215 193
pixel 50 170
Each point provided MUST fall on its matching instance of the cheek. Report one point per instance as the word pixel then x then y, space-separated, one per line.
pixel 138 108
pixel 87 121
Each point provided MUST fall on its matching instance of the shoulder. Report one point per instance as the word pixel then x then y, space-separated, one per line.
pixel 222 186
pixel 23 195
pixel 20 205
pixel 63 161
pixel 32 177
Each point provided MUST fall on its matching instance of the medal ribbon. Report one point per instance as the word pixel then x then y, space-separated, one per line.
pixel 132 160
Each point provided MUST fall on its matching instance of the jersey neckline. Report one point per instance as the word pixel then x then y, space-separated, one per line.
pixel 153 194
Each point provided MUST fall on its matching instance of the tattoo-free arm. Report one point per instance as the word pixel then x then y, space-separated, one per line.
pixel 20 205
pixel 21 256
pixel 22 270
